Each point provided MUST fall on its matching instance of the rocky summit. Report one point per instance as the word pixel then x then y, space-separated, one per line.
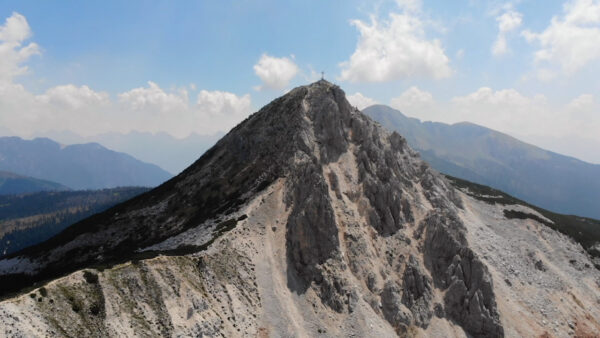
pixel 308 219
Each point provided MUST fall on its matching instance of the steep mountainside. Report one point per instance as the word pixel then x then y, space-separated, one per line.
pixel 11 183
pixel 549 180
pixel 307 219
pixel 29 219
pixel 79 166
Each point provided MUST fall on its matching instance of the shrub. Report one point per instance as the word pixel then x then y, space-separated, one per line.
pixel 90 277
pixel 95 309
pixel 43 292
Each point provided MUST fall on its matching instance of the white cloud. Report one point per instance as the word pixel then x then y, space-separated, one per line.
pixel 158 110
pixel 571 41
pixel 584 112
pixel 414 100
pixel 15 29
pixel 507 22
pixel 67 107
pixel 12 51
pixel 360 101
pixel 154 98
pixel 484 95
pixel 396 48
pixel 582 103
pixel 223 103
pixel 545 74
pixel 275 73
pixel 82 110
pixel 509 111
pixel 148 109
pixel 506 110
pixel 73 97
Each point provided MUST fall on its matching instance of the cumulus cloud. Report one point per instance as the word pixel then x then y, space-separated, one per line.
pixel 531 117
pixel 584 102
pixel 506 110
pixel 154 98
pixel 583 112
pixel 396 48
pixel 223 103
pixel 73 97
pixel 507 22
pixel 414 100
pixel 152 109
pixel 360 101
pixel 572 40
pixel 85 111
pixel 13 51
pixel 275 73
pixel 172 111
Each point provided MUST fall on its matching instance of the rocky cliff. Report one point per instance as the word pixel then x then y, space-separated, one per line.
pixel 307 219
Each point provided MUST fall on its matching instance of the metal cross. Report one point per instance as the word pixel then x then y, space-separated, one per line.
pixel 322 75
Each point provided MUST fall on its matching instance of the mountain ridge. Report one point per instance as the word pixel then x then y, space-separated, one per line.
pixel 11 183
pixel 550 180
pixel 306 219
pixel 170 153
pixel 79 166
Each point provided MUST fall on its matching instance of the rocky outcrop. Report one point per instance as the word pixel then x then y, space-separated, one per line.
pixel 384 177
pixel 394 310
pixel 312 233
pixel 417 293
pixel 469 297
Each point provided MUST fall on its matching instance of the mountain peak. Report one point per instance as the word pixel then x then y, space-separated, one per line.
pixel 307 215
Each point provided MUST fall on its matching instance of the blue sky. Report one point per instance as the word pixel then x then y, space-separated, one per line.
pixel 201 66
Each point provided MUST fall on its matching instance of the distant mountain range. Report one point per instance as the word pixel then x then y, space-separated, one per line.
pixel 170 153
pixel 482 155
pixel 11 183
pixel 79 166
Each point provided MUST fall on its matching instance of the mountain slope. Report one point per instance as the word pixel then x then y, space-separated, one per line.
pixel 307 219
pixel 552 181
pixel 11 184
pixel 29 219
pixel 79 166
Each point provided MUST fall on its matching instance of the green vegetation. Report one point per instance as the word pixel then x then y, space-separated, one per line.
pixel 90 277
pixel 19 206
pixel 43 292
pixel 585 231
pixel 26 220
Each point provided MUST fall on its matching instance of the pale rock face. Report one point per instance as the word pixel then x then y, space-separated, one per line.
pixel 307 219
